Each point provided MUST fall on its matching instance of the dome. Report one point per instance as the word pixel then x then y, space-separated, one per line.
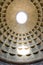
pixel 21 30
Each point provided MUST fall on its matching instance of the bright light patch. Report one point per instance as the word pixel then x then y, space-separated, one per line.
pixel 23 50
pixel 21 17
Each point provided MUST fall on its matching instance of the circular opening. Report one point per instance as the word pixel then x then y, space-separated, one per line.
pixel 21 17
